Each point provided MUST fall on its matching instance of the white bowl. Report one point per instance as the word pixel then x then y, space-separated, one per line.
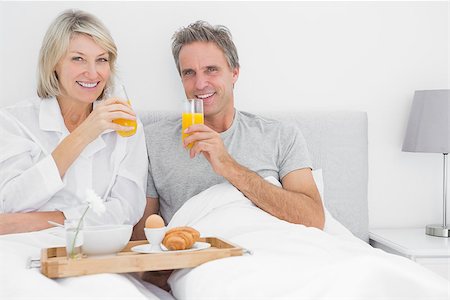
pixel 105 239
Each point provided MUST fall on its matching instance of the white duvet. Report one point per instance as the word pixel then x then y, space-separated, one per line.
pixel 288 262
pixel 291 261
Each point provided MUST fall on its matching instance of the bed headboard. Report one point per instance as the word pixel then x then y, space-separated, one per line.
pixel 337 141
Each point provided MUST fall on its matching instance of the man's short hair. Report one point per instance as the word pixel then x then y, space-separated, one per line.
pixel 202 31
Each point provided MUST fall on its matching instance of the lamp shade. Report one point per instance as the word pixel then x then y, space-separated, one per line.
pixel 428 125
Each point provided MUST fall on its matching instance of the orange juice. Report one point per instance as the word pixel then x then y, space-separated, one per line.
pixel 188 119
pixel 128 123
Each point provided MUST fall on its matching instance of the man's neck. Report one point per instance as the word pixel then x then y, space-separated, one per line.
pixel 220 122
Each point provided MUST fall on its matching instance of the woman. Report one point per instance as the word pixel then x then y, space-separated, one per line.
pixel 56 146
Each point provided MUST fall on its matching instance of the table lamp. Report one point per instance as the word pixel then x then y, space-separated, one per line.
pixel 429 131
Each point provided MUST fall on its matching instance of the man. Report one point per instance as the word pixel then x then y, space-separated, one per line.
pixel 231 146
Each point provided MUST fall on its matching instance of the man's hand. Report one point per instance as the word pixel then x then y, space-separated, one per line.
pixel 210 144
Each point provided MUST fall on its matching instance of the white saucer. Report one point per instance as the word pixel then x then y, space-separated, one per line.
pixel 146 248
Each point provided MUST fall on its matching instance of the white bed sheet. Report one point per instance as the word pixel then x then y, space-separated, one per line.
pixel 291 261
pixel 17 281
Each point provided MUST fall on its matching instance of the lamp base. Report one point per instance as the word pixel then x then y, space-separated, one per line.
pixel 437 230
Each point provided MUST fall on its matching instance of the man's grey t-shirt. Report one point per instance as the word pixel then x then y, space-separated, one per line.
pixel 265 146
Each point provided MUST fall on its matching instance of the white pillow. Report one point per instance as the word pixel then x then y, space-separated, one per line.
pixel 332 225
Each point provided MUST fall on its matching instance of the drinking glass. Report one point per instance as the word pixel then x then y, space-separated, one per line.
pixel 74 238
pixel 120 92
pixel 192 114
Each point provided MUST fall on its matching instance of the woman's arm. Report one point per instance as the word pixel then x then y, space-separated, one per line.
pixel 30 176
pixel 26 222
pixel 99 120
pixel 125 199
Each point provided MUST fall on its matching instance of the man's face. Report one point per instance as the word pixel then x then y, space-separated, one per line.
pixel 206 75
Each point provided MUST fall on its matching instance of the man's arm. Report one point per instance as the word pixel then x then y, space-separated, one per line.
pixel 29 221
pixel 297 202
pixel 152 207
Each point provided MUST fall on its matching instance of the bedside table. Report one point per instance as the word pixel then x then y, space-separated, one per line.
pixel 430 251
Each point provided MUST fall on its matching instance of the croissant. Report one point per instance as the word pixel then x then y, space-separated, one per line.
pixel 180 238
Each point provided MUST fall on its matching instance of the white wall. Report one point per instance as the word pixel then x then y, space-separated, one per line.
pixel 294 56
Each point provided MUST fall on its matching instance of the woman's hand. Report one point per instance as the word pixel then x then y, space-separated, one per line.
pixel 101 117
pixel 99 120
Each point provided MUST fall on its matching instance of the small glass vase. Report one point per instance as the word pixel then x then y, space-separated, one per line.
pixel 74 238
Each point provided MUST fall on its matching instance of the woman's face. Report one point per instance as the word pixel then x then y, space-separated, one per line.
pixel 83 71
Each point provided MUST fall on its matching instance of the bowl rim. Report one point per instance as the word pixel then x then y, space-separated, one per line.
pixel 110 227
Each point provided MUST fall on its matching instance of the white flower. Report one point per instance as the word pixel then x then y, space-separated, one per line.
pixel 95 202
pixel 98 206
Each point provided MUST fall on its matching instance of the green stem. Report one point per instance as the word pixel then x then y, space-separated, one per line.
pixel 72 254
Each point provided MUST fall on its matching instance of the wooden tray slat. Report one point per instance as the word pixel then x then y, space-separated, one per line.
pixel 54 263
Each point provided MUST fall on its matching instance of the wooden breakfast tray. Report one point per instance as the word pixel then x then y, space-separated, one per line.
pixel 54 263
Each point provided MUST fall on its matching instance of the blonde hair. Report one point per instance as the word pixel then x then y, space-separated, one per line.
pixel 56 43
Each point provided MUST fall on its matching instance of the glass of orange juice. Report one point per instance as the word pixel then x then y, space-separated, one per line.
pixel 192 114
pixel 120 92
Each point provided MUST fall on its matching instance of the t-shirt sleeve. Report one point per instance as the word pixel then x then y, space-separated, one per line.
pixel 293 150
